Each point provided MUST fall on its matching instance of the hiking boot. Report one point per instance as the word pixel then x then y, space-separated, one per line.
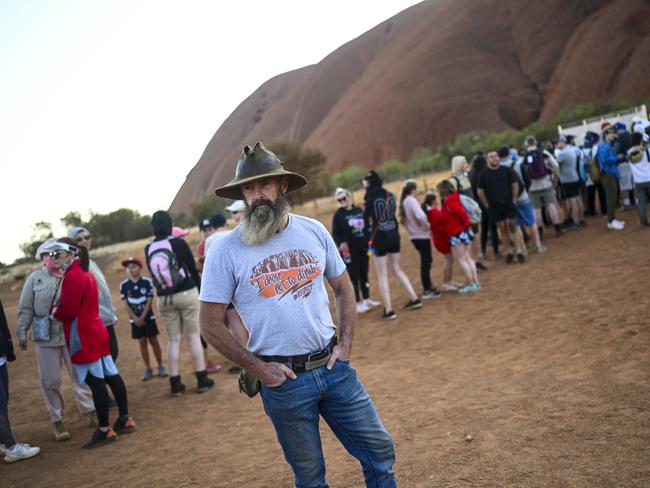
pixel 203 383
pixel 162 372
pixel 177 387
pixel 20 452
pixel 390 315
pixel 362 307
pixel 60 432
pixel 413 304
pixel 100 438
pixel 124 425
pixel 509 259
pixel 521 259
pixel 211 368
pixel 371 303
pixel 148 374
pixel 431 293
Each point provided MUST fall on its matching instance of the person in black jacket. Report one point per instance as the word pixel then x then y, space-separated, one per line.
pixel 349 233
pixel 12 450
pixel 173 271
pixel 379 217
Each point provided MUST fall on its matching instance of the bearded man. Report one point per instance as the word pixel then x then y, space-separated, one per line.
pixel 273 268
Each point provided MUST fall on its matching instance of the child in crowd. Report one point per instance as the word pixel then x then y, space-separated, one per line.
pixel 459 230
pixel 137 294
pixel 431 207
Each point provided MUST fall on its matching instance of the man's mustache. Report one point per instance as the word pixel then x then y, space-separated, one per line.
pixel 262 202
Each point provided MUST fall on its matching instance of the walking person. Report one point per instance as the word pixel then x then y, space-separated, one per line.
pixel 639 157
pixel 273 268
pixel 87 340
pixel 40 291
pixel 13 451
pixel 349 233
pixel 171 266
pixel 419 231
pixel 607 162
pixel 379 216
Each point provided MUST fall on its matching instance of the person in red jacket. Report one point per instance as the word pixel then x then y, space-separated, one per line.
pixel 459 230
pixel 87 339
pixel 439 233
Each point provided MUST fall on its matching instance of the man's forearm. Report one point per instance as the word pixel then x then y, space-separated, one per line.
pixel 481 195
pixel 347 315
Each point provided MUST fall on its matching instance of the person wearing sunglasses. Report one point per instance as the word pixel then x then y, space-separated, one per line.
pixel 42 289
pixel 348 231
pixel 87 339
pixel 107 311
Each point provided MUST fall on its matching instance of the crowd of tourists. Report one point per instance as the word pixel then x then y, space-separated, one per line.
pixel 505 196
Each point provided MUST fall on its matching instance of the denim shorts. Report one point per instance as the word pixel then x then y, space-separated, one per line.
pixel 464 237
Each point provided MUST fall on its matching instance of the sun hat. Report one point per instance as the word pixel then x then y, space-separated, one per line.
pixel 132 260
pixel 256 163
pixel 236 206
pixel 75 230
pixel 179 231
pixel 42 248
pixel 60 246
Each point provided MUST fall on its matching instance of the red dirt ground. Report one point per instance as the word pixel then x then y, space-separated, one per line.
pixel 547 368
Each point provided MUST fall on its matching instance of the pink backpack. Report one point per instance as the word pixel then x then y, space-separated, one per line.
pixel 165 271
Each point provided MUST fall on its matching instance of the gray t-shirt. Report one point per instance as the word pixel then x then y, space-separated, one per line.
pixel 567 158
pixel 277 287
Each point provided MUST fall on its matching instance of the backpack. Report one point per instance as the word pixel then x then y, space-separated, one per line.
pixel 163 264
pixel 535 164
pixel 594 169
pixel 521 178
pixel 472 208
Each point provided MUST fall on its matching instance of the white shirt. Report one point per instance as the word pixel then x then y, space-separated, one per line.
pixel 214 237
pixel 641 170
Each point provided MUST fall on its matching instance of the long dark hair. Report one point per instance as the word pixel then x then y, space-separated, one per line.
pixel 408 187
pixel 478 165
pixel 82 252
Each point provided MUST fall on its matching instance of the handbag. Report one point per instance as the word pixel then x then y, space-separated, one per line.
pixel 41 323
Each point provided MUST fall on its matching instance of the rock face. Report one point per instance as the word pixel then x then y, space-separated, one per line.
pixel 435 71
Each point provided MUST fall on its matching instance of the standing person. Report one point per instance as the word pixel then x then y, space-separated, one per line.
pixel 607 161
pixel 498 188
pixel 12 450
pixel 589 151
pixel 40 291
pixel 488 228
pixel 639 157
pixel 87 340
pixel 541 167
pixel 137 294
pixel 621 147
pixel 205 228
pixel 459 230
pixel 525 212
pixel 348 231
pixel 273 268
pixel 567 158
pixel 218 223
pixel 107 311
pixel 419 231
pixel 171 264
pixel 379 217
pixel 236 210
pixel 440 236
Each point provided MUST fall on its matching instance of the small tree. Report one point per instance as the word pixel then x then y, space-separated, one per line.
pixel 41 231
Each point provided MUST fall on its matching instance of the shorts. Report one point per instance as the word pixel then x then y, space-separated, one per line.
pixel 525 214
pixel 180 312
pixel 500 213
pixel 571 190
pixel 542 198
pixel 383 252
pixel 149 329
pixel 465 237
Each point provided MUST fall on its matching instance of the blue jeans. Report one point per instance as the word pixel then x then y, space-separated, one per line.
pixel 339 397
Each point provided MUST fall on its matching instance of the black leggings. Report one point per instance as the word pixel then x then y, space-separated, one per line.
pixel 100 396
pixel 358 271
pixel 6 437
pixel 488 224
pixel 591 199
pixel 112 342
pixel 423 247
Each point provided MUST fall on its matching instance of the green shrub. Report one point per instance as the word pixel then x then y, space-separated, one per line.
pixel 393 170
pixel 349 178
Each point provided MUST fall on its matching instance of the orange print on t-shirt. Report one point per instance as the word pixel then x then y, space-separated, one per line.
pixel 291 272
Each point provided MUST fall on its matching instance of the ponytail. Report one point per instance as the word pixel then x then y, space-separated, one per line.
pixel 408 187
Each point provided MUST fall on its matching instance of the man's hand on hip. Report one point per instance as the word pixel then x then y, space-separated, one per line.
pixel 274 374
pixel 338 352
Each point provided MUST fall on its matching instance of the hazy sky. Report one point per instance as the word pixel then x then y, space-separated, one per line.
pixel 109 104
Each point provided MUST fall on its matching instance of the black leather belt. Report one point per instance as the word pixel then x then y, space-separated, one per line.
pixel 304 362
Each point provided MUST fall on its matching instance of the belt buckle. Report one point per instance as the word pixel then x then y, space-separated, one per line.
pixel 317 359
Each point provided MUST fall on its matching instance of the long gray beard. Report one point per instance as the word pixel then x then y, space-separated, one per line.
pixel 261 222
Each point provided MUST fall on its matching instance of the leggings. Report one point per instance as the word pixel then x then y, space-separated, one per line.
pixel 486 224
pixel 423 247
pixel 358 271
pixel 591 199
pixel 100 396
pixel 611 194
pixel 6 437
pixel 112 342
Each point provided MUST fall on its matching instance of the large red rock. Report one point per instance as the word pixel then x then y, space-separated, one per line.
pixel 435 71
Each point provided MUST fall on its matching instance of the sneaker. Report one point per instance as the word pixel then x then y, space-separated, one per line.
pixel 60 432
pixel 449 287
pixel 480 266
pixel 20 452
pixel 162 372
pixel 521 259
pixel 615 225
pixel 100 438
pixel 469 288
pixel 390 315
pixel 3 448
pixel 124 425
pixel 211 368
pixel 431 293
pixel 362 307
pixel 371 303
pixel 148 374
pixel 413 304
pixel 497 256
pixel 541 248
pixel 509 259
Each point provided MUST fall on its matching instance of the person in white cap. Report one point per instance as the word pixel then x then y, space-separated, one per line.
pixel 236 210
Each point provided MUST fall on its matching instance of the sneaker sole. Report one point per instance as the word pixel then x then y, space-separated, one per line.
pixel 429 297
pixel 413 307
pixel 62 437
pixel 13 460
pixel 125 430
